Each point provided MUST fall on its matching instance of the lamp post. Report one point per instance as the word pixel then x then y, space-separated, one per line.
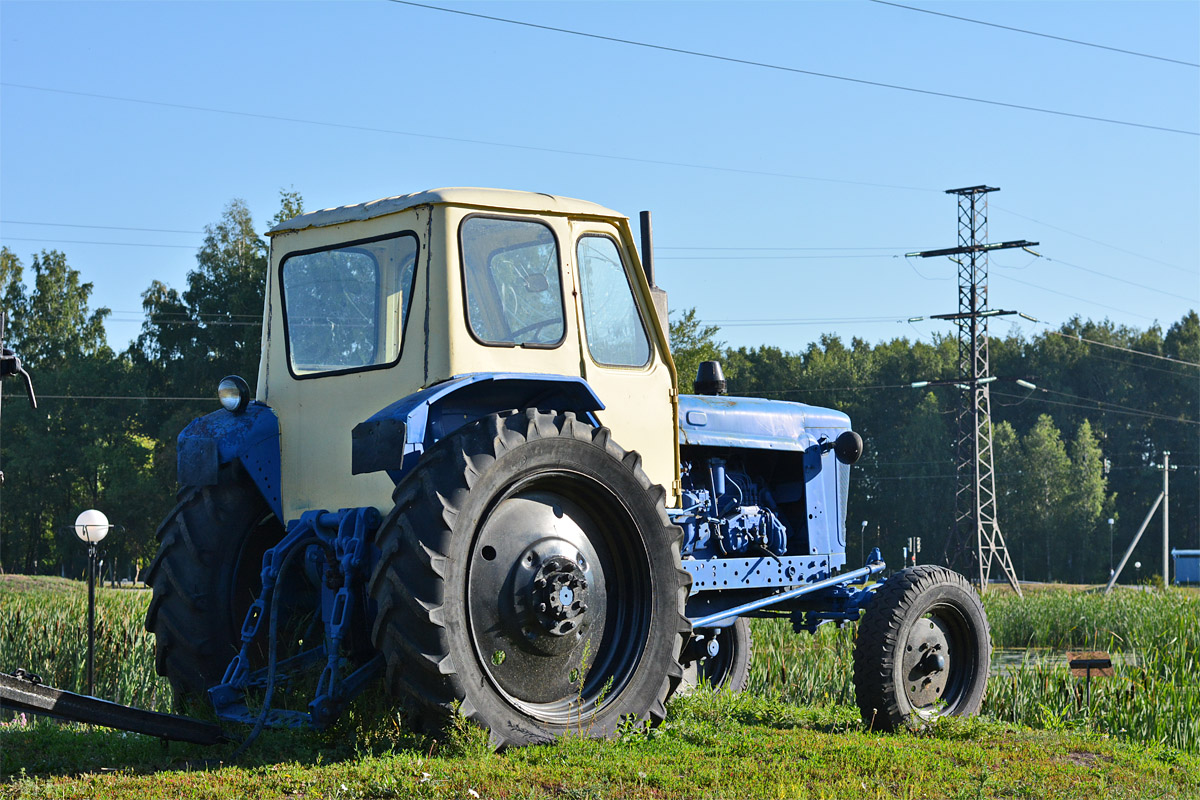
pixel 862 535
pixel 91 527
pixel 1110 546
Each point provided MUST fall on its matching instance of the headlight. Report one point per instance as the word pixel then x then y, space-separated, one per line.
pixel 848 447
pixel 234 394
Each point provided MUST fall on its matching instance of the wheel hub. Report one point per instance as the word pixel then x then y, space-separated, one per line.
pixel 538 597
pixel 559 593
pixel 927 659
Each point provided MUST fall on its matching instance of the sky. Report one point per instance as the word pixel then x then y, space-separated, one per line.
pixel 783 201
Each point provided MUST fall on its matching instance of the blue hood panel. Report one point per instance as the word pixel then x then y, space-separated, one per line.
pixel 755 423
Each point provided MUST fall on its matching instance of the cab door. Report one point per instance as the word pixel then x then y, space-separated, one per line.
pixel 623 355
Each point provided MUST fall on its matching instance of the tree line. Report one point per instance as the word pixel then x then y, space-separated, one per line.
pixel 1069 456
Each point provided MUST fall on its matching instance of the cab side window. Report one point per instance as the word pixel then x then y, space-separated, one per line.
pixel 615 333
pixel 512 279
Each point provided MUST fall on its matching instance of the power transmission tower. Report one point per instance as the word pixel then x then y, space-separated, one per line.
pixel 975 491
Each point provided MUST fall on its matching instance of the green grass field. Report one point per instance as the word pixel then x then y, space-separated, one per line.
pixel 794 733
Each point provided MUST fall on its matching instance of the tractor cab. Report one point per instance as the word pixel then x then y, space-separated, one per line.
pixel 370 303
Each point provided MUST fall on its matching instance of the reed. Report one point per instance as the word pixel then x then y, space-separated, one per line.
pixel 1154 637
pixel 44 630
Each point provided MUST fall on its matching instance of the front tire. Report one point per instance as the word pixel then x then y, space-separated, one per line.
pixel 923 650
pixel 531 579
pixel 729 669
pixel 205 576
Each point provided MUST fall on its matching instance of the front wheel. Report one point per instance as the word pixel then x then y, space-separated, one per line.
pixel 719 658
pixel 923 649
pixel 531 579
pixel 205 577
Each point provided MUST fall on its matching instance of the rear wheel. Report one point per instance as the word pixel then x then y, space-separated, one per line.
pixel 923 649
pixel 530 575
pixel 205 577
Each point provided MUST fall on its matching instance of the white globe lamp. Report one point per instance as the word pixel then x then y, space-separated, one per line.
pixel 91 526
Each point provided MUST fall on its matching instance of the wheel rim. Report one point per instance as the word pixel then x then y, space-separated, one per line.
pixel 715 669
pixel 558 596
pixel 937 667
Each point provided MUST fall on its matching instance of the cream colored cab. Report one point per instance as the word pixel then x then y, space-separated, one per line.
pixel 368 304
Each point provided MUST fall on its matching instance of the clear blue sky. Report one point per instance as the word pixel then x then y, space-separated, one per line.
pixel 797 161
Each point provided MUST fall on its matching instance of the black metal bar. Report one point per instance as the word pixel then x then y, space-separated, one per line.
pixel 973 248
pixel 91 621
pixel 647 247
pixel 19 694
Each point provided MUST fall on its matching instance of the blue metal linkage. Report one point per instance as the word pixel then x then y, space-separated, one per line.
pixel 874 566
pixel 338 553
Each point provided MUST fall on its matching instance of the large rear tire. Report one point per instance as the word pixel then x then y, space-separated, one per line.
pixel 923 650
pixel 531 579
pixel 205 576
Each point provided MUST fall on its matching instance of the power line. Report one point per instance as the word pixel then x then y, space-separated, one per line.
pixel 794 70
pixel 118 244
pixel 1118 347
pixel 782 249
pixel 1036 33
pixel 1097 241
pixel 462 140
pixel 1073 297
pixel 766 258
pixel 1119 280
pixel 98 227
pixel 1114 406
pixel 1103 410
pixel 1074 337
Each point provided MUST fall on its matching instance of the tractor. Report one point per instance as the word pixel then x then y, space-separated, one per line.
pixel 467 471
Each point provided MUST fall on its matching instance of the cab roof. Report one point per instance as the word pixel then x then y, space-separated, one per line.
pixel 498 199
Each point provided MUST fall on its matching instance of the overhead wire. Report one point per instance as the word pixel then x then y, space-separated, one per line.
pixel 1038 33
pixel 1073 297
pixel 465 140
pixel 97 227
pixel 794 70
pixel 78 241
pixel 1119 279
pixel 1161 418
pixel 1097 241
pixel 1119 347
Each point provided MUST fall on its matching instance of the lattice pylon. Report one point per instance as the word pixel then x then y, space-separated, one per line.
pixel 975 490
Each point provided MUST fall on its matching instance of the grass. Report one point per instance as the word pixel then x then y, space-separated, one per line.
pixel 711 746
pixel 794 733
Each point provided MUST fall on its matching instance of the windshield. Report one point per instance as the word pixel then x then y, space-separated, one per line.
pixel 513 289
pixel 345 306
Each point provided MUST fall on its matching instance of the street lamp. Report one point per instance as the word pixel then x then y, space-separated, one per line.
pixel 1137 565
pixel 91 527
pixel 1110 546
pixel 862 535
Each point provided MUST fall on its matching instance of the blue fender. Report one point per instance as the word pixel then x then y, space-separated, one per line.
pixel 221 437
pixel 394 438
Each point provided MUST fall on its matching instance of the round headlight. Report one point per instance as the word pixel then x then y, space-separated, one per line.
pixel 234 394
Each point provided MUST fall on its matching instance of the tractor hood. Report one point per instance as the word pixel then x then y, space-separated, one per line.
pixel 755 423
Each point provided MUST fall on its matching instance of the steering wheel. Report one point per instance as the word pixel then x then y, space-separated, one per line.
pixel 535 326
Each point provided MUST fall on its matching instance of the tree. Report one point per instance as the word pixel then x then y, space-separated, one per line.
pixel 62 457
pixel 692 342
pixel 1086 506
